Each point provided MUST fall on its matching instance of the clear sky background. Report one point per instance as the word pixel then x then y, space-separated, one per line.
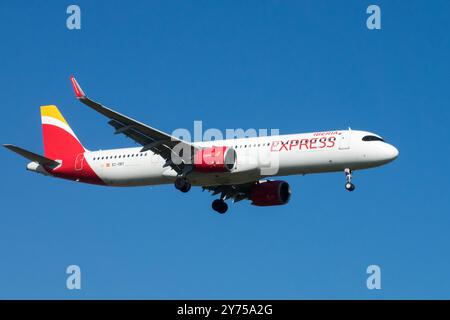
pixel 299 66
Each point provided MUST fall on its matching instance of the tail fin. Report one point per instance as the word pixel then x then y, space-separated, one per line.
pixel 60 142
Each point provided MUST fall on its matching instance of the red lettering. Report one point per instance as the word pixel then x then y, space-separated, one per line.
pixel 274 144
pixel 312 143
pixel 284 145
pixel 331 140
pixel 293 143
pixel 304 142
pixel 323 142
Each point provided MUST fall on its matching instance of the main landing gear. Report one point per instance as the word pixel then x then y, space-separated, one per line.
pixel 182 184
pixel 220 206
pixel 348 177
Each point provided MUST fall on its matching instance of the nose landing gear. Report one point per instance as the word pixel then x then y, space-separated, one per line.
pixel 182 184
pixel 348 177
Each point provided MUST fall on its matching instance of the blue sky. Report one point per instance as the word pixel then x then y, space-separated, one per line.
pixel 299 66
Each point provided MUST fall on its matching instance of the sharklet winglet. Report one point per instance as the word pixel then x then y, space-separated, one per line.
pixel 77 89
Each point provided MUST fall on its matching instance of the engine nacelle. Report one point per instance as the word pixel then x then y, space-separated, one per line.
pixel 215 159
pixel 270 193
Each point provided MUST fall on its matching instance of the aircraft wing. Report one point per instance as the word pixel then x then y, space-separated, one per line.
pixel 32 156
pixel 150 138
pixel 236 192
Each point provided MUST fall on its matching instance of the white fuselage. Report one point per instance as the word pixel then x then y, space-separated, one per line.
pixel 257 158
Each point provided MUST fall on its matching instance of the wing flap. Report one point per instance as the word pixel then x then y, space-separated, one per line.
pixel 237 192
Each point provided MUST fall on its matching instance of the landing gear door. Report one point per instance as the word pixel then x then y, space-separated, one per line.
pixel 345 139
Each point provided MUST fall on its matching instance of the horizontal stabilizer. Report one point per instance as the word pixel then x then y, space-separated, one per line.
pixel 32 156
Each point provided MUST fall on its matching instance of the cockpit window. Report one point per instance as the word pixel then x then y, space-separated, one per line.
pixel 372 138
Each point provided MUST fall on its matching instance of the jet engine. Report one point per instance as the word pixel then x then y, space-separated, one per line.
pixel 270 193
pixel 215 159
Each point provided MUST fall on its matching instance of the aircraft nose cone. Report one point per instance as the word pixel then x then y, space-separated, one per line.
pixel 391 152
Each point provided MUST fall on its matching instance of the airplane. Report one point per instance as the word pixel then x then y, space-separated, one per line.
pixel 231 168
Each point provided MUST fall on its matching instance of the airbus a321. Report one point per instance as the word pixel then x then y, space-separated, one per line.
pixel 235 169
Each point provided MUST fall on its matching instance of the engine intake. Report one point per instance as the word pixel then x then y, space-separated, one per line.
pixel 215 159
pixel 270 193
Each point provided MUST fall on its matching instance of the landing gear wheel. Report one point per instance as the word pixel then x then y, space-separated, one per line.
pixel 186 188
pixel 349 186
pixel 348 177
pixel 220 206
pixel 182 184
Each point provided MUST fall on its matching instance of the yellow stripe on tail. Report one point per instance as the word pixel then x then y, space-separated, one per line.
pixel 52 112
